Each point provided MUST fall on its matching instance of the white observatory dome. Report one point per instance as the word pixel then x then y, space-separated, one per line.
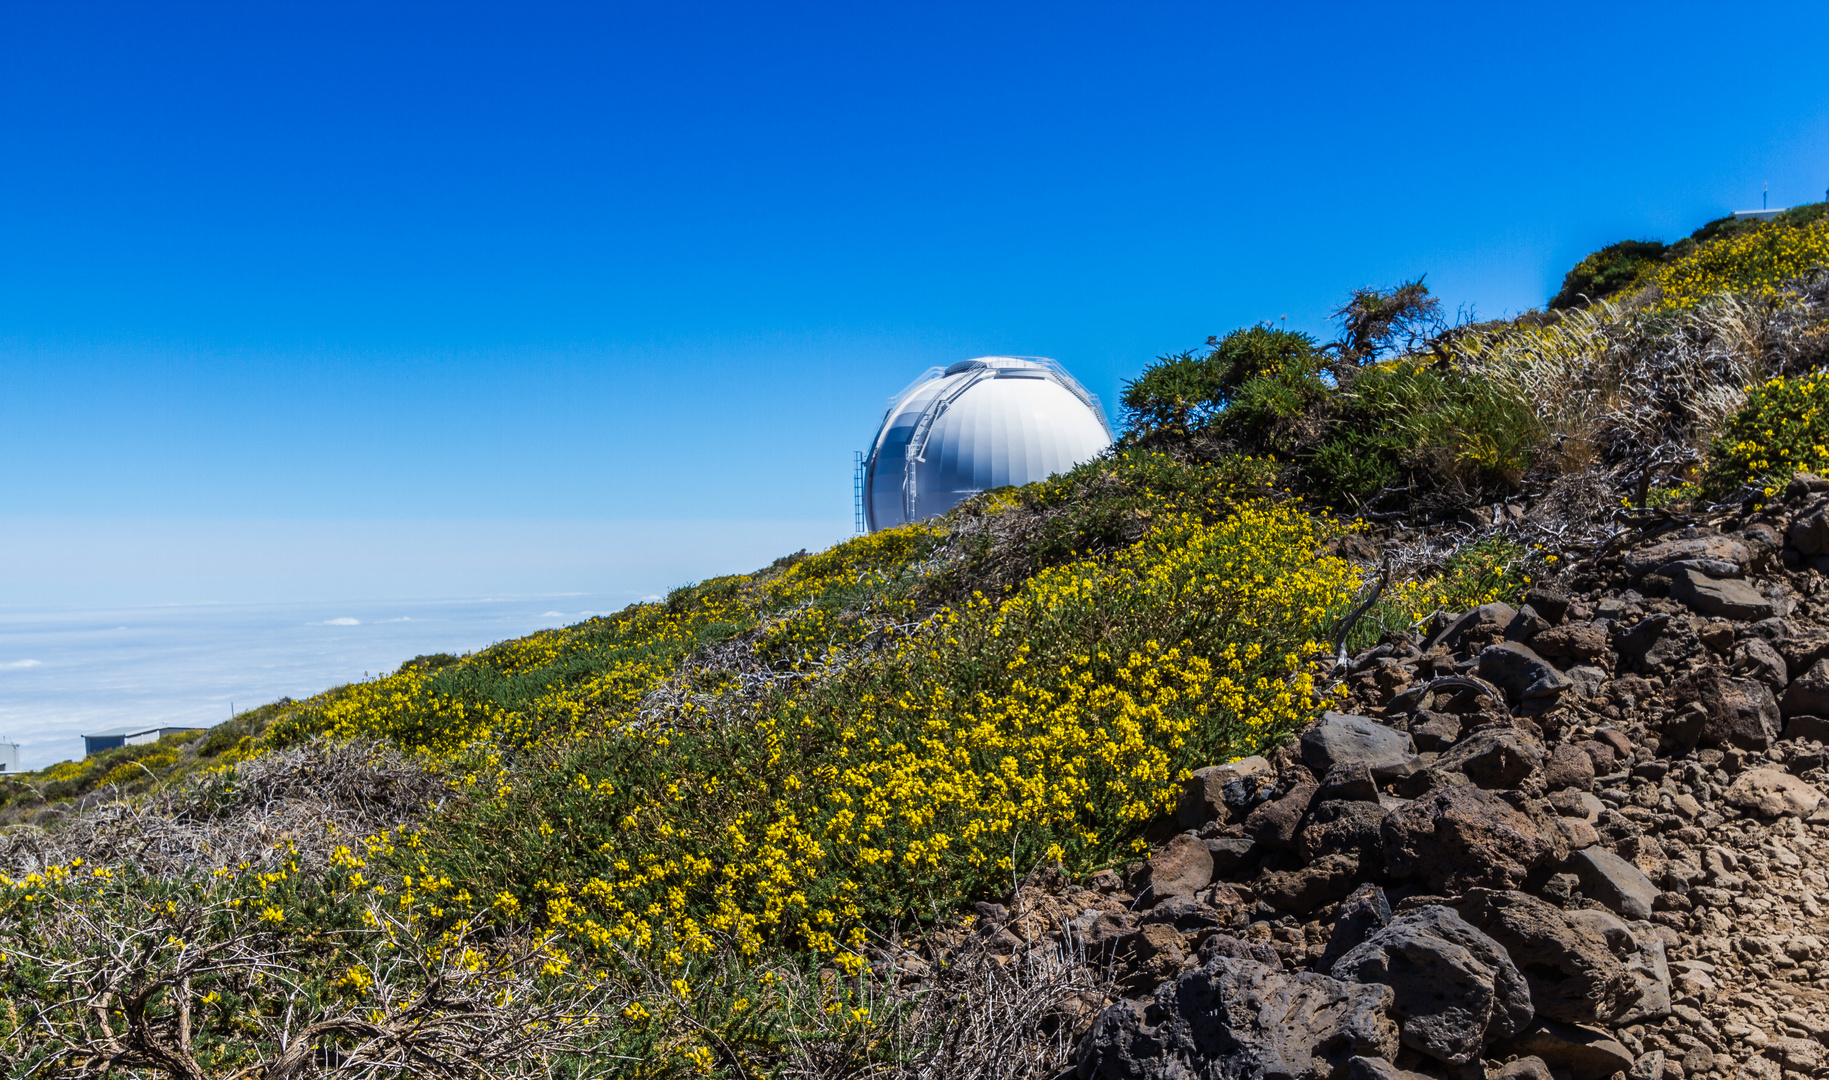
pixel 980 424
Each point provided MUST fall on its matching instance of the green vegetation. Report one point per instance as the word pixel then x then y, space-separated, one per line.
pixel 1611 269
pixel 685 839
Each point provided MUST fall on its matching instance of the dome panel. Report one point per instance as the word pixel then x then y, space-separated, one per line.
pixel 979 424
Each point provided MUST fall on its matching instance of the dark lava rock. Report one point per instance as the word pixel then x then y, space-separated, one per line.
pixel 1808 693
pixel 1321 882
pixel 1456 989
pixel 1726 598
pixel 1568 767
pixel 1494 758
pixel 1573 974
pixel 1274 823
pixel 1351 826
pixel 1362 914
pixel 1234 1019
pixel 1181 867
pixel 1519 672
pixel 1738 712
pixel 1720 548
pixel 1460 838
pixel 1341 737
pixel 1485 621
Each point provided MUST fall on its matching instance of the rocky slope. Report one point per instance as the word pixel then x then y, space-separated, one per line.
pixel 1580 839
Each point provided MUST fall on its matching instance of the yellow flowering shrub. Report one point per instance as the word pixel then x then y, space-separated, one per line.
pixel 1782 428
pixel 1755 260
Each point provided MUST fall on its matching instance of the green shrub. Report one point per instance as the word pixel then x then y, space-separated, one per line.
pixel 1607 271
pixel 1782 428
pixel 1185 393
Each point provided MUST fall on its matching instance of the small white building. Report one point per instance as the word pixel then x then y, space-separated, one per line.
pixel 9 757
pixel 109 740
pixel 1760 215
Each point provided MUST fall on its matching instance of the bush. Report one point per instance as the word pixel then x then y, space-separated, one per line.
pixel 1782 428
pixel 1756 258
pixel 1184 393
pixel 1607 271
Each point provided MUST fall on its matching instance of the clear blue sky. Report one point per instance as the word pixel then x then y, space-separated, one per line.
pixel 385 262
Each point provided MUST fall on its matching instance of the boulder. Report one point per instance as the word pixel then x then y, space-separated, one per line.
pixel 1519 672
pixel 1434 730
pixel 1607 926
pixel 1485 621
pixel 1613 881
pixel 1568 766
pixel 1460 838
pixel 1572 972
pixel 1584 680
pixel 1361 915
pixel 1340 737
pixel 1273 824
pixel 1649 968
pixel 1809 532
pixel 1494 757
pixel 1456 989
pixel 1757 660
pixel 1224 792
pixel 1230 852
pixel 1365 1068
pixel 1181 867
pixel 1323 881
pixel 1240 1020
pixel 1720 548
pixel 1577 641
pixel 1725 598
pixel 1343 826
pixel 1805 728
pixel 1808 694
pixel 1528 1067
pixel 1773 793
pixel 1735 712
pixel 1588 1053
pixel 1350 781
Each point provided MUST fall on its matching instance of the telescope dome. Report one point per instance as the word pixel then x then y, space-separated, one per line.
pixel 979 424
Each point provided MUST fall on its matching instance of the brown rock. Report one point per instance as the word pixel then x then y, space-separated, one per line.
pixel 1321 882
pixel 1461 838
pixel 1773 793
pixel 1274 824
pixel 1207 794
pixel 1568 767
pixel 1343 826
pixel 1720 548
pixel 1736 712
pixel 1578 641
pixel 1588 1053
pixel 1494 758
pixel 1483 622
pixel 1181 867
pixel 1808 693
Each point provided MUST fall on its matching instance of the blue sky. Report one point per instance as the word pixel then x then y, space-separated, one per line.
pixel 268 270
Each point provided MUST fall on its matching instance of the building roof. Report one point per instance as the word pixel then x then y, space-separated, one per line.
pixel 129 732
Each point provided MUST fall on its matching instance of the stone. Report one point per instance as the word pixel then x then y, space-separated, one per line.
pixel 1804 483
pixel 1529 1067
pixel 1648 967
pixel 1340 737
pixel 1584 680
pixel 1456 989
pixel 1240 1020
pixel 1735 712
pixel 1361 914
pixel 1588 1053
pixel 1323 881
pixel 1648 559
pixel 1365 1068
pixel 1613 881
pixel 1568 767
pixel 1773 793
pixel 1460 838
pixel 1726 598
pixel 1224 792
pixel 1809 532
pixel 1757 660
pixel 1485 621
pixel 1572 973
pixel 1181 867
pixel 1578 640
pixel 1434 731
pixel 1519 672
pixel 1808 694
pixel 1802 728
pixel 1582 805
pixel 1230 852
pixel 1606 925
pixel 1552 604
pixel 1336 826
pixel 1350 781
pixel 1494 758
pixel 1273 824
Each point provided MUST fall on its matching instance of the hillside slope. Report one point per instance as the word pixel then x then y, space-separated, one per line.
pixel 936 801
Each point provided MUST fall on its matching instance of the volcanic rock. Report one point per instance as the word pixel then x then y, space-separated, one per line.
pixel 1462 837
